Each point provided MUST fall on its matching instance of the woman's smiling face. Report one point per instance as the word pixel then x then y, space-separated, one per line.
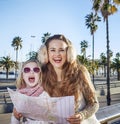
pixel 57 52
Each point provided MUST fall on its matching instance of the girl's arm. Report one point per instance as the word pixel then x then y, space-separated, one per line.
pixel 14 120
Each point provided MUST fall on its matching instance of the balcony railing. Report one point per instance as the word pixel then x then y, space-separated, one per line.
pixel 109 114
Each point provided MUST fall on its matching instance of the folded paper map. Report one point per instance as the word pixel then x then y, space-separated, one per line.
pixel 43 107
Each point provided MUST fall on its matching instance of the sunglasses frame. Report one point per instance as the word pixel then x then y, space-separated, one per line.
pixel 28 70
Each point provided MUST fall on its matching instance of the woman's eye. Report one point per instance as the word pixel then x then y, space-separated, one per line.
pixel 62 50
pixel 52 50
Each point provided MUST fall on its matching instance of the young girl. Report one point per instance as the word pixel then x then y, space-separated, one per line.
pixel 64 76
pixel 28 83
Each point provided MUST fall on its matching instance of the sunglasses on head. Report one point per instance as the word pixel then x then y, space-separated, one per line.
pixel 35 69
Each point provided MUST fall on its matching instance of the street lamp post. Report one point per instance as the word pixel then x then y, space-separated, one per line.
pixel 31 46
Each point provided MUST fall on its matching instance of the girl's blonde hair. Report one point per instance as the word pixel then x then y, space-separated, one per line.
pixel 20 83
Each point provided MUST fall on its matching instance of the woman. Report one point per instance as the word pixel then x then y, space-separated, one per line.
pixel 62 75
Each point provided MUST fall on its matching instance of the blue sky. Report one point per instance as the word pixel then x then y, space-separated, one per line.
pixel 24 18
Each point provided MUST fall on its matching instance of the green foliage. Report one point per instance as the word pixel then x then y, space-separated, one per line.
pixel 90 21
pixel 116 65
pixel 17 43
pixel 7 64
pixel 32 55
pixel 84 46
pixel 45 37
pixel 106 7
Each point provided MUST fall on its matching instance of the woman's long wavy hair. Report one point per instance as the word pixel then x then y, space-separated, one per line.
pixel 75 77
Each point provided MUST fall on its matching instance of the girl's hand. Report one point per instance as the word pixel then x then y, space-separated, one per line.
pixel 75 119
pixel 17 114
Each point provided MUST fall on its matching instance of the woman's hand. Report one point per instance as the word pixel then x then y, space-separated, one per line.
pixel 16 114
pixel 75 119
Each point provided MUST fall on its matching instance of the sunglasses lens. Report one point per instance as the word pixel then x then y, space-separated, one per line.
pixel 36 70
pixel 26 70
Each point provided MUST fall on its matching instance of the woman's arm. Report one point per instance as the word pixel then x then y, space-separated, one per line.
pixel 89 94
pixel 89 109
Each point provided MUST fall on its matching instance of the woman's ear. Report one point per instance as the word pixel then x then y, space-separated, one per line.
pixel 71 54
pixel 43 55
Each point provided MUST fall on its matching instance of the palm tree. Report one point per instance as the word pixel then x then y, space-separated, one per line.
pixel 88 63
pixel 82 60
pixel 7 64
pixel 84 45
pixel 96 65
pixel 116 64
pixel 32 55
pixel 106 7
pixel 85 60
pixel 17 44
pixel 90 21
pixel 110 56
pixel 45 37
pixel 103 61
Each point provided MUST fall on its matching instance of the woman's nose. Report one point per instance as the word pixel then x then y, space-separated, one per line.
pixel 57 52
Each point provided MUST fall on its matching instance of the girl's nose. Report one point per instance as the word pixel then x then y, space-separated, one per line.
pixel 31 71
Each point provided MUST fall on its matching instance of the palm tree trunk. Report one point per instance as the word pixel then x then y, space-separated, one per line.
pixel 93 59
pixel 108 64
pixel 7 72
pixel 104 70
pixel 118 74
pixel 16 64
